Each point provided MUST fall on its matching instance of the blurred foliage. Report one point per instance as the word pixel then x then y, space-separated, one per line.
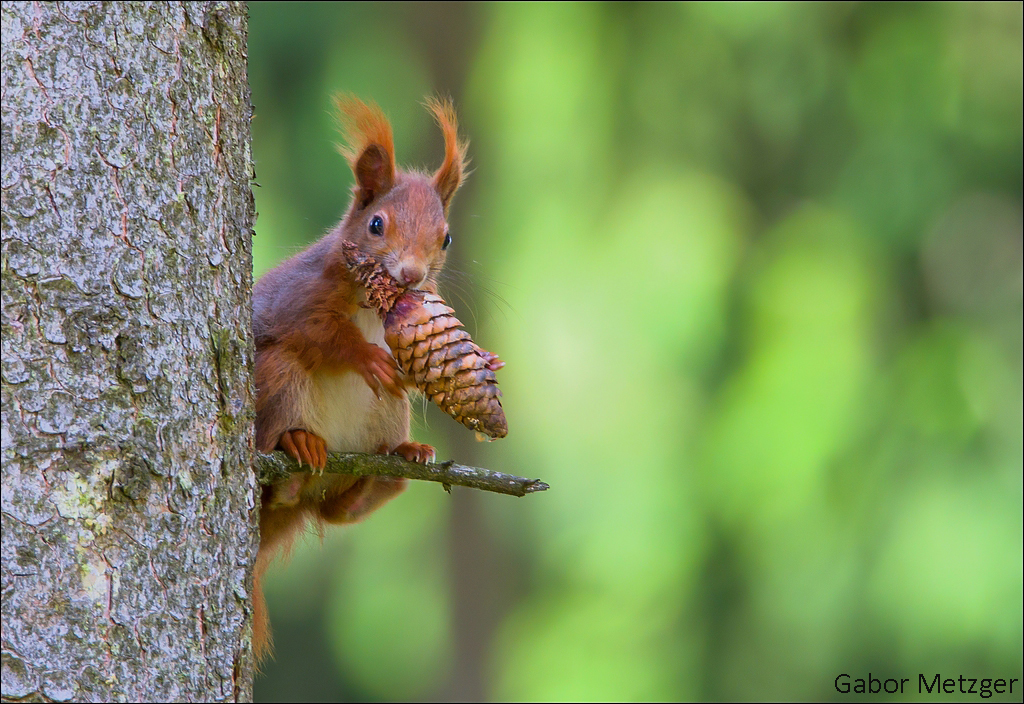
pixel 757 274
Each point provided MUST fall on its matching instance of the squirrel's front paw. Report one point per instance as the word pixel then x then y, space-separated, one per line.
pixel 380 370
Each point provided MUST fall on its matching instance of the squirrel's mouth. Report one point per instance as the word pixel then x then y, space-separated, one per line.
pixel 406 272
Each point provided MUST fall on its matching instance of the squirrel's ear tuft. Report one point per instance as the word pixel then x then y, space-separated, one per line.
pixel 453 170
pixel 369 146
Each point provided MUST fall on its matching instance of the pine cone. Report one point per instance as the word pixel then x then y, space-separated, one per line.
pixel 432 348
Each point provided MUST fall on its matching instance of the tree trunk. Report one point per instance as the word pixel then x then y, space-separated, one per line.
pixel 129 514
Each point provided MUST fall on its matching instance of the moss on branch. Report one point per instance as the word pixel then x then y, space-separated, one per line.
pixel 278 465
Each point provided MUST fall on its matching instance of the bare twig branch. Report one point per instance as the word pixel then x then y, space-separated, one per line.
pixel 278 465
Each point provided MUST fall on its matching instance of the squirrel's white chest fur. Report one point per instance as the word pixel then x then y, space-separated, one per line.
pixel 343 410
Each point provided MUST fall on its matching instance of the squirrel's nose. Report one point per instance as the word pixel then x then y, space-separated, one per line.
pixel 411 274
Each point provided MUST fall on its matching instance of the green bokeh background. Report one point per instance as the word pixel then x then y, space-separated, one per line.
pixel 757 274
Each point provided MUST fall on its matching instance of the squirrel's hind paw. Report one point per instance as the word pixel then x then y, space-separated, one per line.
pixel 305 447
pixel 415 452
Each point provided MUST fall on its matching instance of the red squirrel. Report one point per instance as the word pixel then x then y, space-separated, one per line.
pixel 325 379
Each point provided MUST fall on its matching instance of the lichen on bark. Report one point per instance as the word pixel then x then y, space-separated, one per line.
pixel 128 511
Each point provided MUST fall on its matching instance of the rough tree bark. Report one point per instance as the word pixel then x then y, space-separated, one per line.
pixel 128 493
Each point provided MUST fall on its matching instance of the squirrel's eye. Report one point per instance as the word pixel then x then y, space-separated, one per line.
pixel 447 241
pixel 377 225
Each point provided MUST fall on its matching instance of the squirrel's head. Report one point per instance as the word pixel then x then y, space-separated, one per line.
pixel 399 217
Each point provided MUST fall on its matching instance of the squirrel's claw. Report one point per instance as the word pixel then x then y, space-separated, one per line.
pixel 493 363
